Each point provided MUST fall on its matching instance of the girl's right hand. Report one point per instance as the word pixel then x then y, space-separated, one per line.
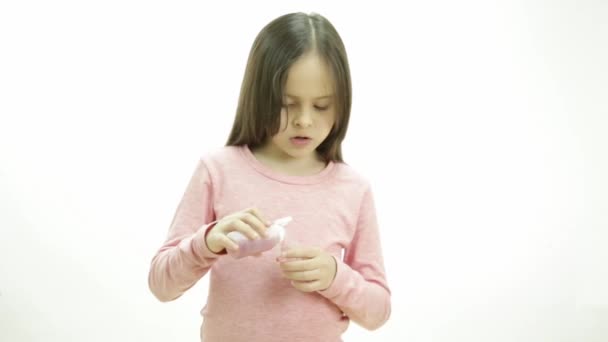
pixel 248 222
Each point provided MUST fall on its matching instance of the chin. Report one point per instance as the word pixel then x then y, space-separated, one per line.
pixel 299 153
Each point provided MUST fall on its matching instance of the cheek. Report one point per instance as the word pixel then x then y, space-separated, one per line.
pixel 330 120
pixel 282 126
pixel 282 121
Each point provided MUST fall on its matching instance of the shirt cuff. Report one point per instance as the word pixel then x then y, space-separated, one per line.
pixel 200 248
pixel 342 278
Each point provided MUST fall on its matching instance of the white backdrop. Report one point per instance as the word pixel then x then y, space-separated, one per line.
pixel 482 125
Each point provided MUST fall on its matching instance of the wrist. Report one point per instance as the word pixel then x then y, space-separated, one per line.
pixel 210 246
pixel 335 272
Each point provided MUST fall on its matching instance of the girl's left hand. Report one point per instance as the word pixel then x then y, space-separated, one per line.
pixel 315 271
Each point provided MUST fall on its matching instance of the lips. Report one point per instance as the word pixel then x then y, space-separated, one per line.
pixel 300 140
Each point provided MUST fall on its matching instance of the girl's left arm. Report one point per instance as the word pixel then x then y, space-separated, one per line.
pixel 360 288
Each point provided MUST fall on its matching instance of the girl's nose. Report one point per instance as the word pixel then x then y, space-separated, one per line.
pixel 304 119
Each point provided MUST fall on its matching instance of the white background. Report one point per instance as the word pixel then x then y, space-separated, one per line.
pixel 483 126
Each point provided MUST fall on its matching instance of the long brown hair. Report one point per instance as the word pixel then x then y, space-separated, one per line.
pixel 278 45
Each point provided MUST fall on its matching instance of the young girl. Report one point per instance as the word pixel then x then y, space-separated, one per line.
pixel 283 158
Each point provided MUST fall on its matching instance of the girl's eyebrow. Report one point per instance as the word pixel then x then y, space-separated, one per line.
pixel 316 98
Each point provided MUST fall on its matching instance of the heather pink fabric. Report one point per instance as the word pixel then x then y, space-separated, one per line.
pixel 248 299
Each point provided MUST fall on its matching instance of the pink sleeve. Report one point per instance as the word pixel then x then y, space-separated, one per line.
pixel 360 288
pixel 184 258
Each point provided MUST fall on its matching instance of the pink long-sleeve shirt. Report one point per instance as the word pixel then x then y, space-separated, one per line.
pixel 248 298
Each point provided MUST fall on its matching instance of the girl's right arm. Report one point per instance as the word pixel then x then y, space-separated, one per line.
pixel 195 240
pixel 185 258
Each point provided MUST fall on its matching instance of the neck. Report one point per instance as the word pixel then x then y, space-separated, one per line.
pixel 284 163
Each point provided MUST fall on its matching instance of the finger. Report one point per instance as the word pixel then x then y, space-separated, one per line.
pixel 256 212
pixel 302 252
pixel 303 275
pixel 299 265
pixel 255 223
pixel 227 243
pixel 245 229
pixel 306 286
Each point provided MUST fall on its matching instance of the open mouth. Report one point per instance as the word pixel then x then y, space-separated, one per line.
pixel 300 140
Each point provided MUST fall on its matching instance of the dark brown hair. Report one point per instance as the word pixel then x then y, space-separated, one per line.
pixel 275 49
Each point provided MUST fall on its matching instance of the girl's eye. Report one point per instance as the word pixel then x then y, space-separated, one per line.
pixel 319 108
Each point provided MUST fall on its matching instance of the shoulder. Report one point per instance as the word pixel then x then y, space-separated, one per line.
pixel 221 154
pixel 346 173
pixel 222 160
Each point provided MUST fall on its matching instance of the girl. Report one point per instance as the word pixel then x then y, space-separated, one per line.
pixel 283 158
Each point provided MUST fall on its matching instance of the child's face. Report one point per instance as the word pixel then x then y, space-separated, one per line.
pixel 309 110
